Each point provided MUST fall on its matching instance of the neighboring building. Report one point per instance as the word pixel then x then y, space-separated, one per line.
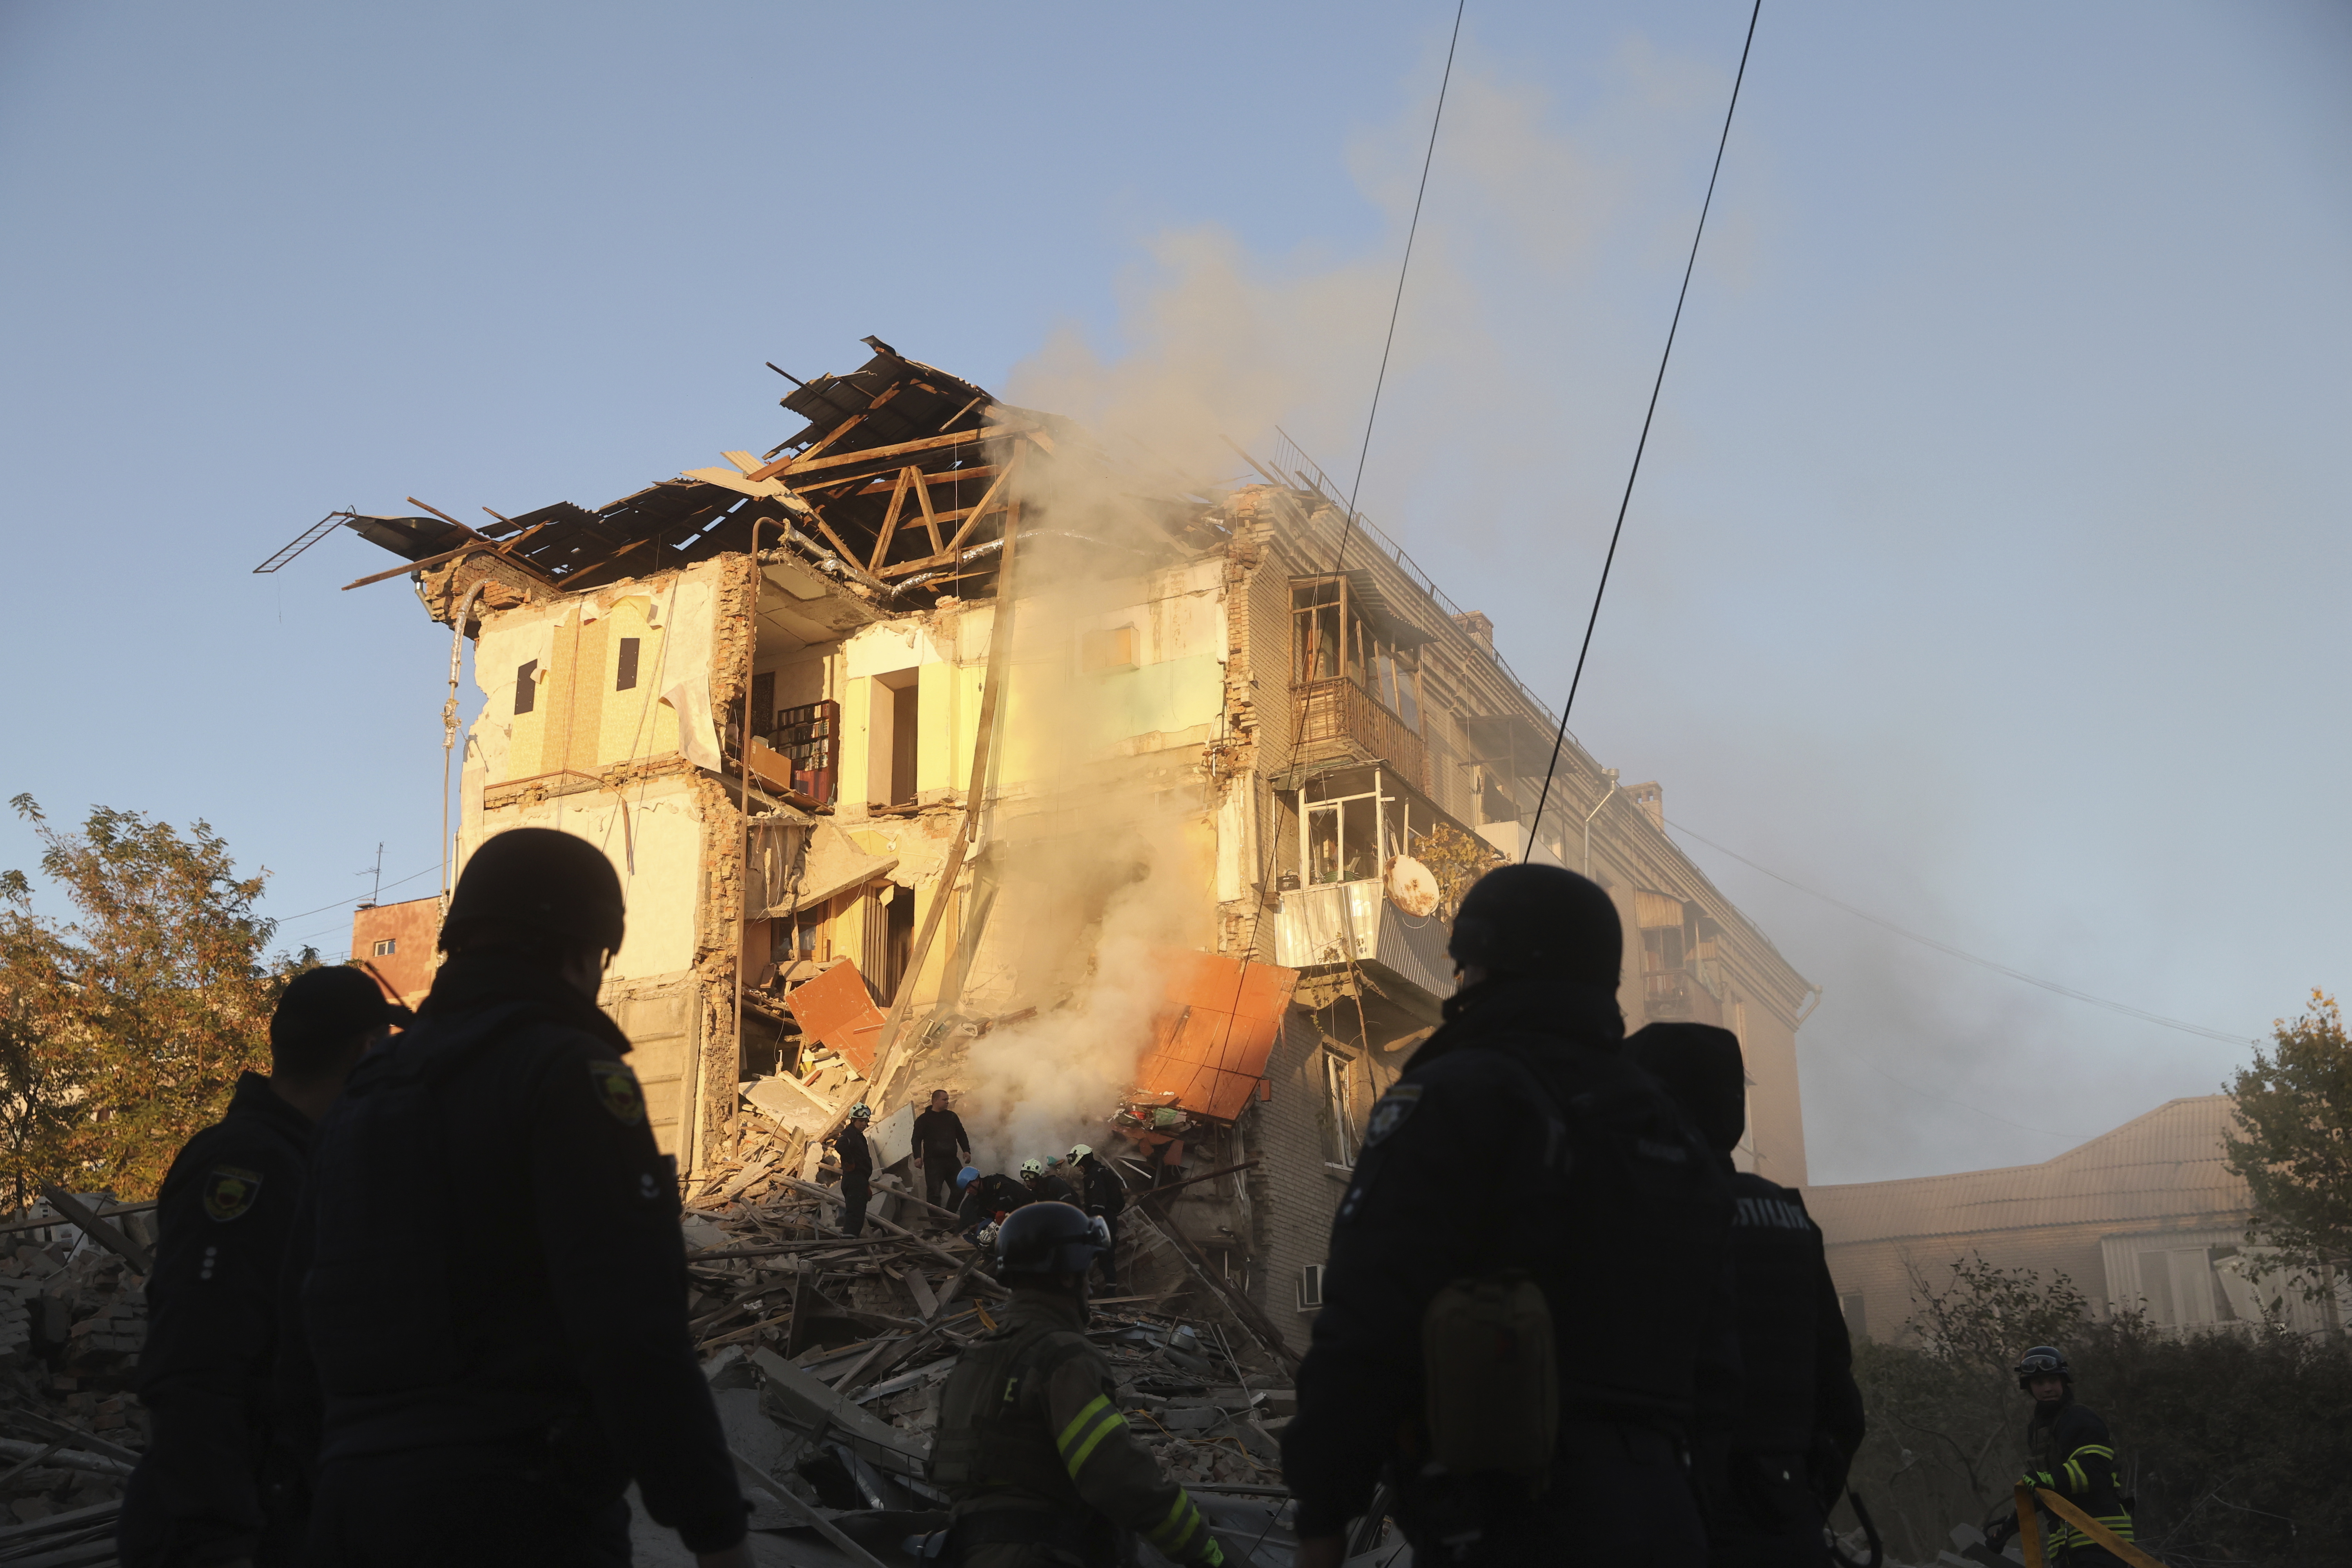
pixel 396 944
pixel 1245 761
pixel 2146 1218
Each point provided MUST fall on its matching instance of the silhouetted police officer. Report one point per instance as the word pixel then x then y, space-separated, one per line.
pixel 1032 1446
pixel 1519 1149
pixel 493 1299
pixel 219 1481
pixel 1783 1458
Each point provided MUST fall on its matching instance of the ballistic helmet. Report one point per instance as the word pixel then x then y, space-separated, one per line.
pixel 1700 1067
pixel 536 884
pixel 1050 1238
pixel 319 1012
pixel 1539 921
pixel 2044 1361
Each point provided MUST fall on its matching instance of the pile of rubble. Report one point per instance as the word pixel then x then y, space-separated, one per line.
pixel 827 1354
pixel 73 1318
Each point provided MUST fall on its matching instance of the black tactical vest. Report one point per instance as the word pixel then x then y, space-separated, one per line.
pixel 993 1434
pixel 1628 1235
pixel 378 1303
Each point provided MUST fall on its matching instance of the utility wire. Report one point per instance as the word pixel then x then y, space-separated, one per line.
pixel 1944 947
pixel 1396 306
pixel 1363 452
pixel 1643 444
pixel 339 903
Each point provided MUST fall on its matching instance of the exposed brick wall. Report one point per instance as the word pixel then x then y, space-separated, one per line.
pixel 1295 1193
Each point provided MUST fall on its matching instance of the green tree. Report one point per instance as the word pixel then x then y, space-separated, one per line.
pixel 2293 1145
pixel 122 1032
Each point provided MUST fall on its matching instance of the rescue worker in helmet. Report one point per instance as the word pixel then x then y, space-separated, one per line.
pixel 1045 1186
pixel 1042 1468
pixel 1781 1461
pixel 1430 1365
pixel 1103 1195
pixel 983 1201
pixel 2072 1454
pixel 488 1380
pixel 856 1168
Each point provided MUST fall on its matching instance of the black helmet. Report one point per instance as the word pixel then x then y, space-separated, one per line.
pixel 1543 920
pixel 1050 1238
pixel 534 882
pixel 1701 1067
pixel 2044 1361
pixel 319 1012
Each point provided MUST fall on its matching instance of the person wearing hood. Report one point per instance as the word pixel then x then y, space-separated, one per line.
pixel 1527 1297
pixel 1780 1461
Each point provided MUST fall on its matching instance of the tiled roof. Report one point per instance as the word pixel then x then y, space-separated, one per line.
pixel 2164 1164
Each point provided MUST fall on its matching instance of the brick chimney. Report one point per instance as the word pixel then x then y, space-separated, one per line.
pixel 1476 624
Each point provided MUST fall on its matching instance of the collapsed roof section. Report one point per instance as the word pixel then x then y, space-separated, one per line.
pixel 896 489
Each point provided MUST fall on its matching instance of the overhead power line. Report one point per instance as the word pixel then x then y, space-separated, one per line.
pixel 1643 444
pixel 2126 1009
pixel 346 903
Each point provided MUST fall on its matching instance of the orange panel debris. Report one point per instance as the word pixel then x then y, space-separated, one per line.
pixel 1209 1049
pixel 835 1008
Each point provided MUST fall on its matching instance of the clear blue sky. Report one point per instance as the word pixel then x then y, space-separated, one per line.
pixel 1988 572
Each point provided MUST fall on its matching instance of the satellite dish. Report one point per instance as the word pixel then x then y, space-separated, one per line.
pixel 1412 886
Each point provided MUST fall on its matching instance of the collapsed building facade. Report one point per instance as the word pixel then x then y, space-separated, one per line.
pixel 939 747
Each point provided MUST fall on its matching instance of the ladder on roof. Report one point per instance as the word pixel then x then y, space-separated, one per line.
pixel 310 536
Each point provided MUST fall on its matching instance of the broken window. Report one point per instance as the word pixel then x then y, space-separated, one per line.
pixel 1338 1108
pixel 624 677
pixel 1358 820
pixel 527 686
pixel 1315 630
pixel 1330 636
pixel 1400 682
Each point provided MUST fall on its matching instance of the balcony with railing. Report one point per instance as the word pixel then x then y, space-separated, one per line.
pixel 1682 995
pixel 1339 721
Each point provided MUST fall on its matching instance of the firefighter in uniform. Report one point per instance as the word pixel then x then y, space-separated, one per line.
pixel 985 1200
pixel 1042 1467
pixel 2072 1456
pixel 492 1282
pixel 1781 1461
pixel 1045 1186
pixel 1104 1196
pixel 1520 1155
pixel 220 1479
pixel 856 1168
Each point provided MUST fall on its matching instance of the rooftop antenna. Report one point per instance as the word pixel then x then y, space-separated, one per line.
pixel 377 891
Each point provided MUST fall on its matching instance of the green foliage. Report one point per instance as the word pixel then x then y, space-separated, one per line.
pixel 122 1032
pixel 2234 1442
pixel 2293 1109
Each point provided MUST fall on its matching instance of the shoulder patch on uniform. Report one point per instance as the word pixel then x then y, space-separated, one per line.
pixel 229 1192
pixel 1389 1113
pixel 617 1088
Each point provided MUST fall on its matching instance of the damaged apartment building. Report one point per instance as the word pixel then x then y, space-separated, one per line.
pixel 939 747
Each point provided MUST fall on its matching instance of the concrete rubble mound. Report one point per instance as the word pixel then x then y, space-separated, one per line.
pixel 827 1355
pixel 73 1318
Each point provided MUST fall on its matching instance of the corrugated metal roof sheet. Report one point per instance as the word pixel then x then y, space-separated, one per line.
pixel 2166 1163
